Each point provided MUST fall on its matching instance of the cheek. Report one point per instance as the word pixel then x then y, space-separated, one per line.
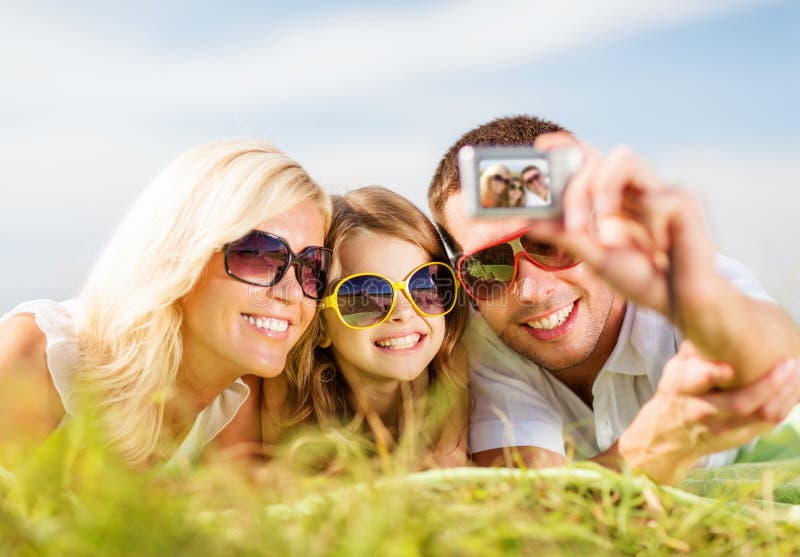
pixel 499 310
pixel 211 299
pixel 308 311
pixel 342 337
pixel 437 326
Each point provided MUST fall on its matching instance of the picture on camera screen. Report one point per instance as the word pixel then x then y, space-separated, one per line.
pixel 514 183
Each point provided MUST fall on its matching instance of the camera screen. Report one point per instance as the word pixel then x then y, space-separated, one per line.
pixel 515 183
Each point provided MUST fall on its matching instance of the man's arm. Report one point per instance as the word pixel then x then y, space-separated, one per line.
pixel 684 420
pixel 687 419
pixel 530 457
pixel 650 242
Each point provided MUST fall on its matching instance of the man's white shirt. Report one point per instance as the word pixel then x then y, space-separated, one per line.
pixel 533 199
pixel 519 404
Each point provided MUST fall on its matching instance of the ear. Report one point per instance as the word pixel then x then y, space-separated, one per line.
pixel 324 339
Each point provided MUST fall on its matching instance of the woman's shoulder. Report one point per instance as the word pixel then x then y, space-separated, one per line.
pixel 30 405
pixel 22 343
pixel 41 337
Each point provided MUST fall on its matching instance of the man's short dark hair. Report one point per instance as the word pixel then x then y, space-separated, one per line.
pixel 528 168
pixel 510 130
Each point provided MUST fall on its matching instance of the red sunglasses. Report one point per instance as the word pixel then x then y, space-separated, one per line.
pixel 489 271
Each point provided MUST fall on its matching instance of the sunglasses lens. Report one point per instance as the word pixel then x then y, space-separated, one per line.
pixel 364 300
pixel 548 255
pixel 487 273
pixel 257 258
pixel 433 289
pixel 312 271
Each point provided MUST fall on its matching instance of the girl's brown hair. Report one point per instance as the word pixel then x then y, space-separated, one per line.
pixel 322 394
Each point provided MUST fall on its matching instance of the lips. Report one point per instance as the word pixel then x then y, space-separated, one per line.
pixel 401 341
pixel 552 320
pixel 553 324
pixel 269 325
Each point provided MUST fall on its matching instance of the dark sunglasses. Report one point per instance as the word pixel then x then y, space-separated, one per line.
pixel 366 300
pixel 532 179
pixel 501 178
pixel 515 186
pixel 262 259
pixel 490 271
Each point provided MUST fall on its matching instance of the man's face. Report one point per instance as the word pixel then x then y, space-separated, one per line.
pixel 533 179
pixel 553 318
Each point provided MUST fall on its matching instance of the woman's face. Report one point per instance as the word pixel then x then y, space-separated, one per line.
pixel 499 182
pixel 218 310
pixel 400 348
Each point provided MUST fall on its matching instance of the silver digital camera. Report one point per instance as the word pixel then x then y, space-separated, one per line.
pixel 516 181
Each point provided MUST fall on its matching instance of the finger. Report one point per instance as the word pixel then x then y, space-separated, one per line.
pixel 553 140
pixel 674 220
pixel 629 271
pixel 687 348
pixel 777 408
pixel 733 433
pixel 576 199
pixel 621 171
pixel 744 401
pixel 692 375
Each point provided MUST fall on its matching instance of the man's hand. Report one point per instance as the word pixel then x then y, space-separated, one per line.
pixel 687 418
pixel 651 244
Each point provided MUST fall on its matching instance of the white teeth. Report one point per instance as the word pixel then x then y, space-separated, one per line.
pixel 553 320
pixel 267 323
pixel 400 343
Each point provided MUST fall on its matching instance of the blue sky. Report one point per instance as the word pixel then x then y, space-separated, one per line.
pixel 95 99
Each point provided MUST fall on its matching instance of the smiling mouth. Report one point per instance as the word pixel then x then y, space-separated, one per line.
pixel 267 323
pixel 400 343
pixel 555 319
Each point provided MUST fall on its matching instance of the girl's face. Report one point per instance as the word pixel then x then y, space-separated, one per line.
pixel 400 348
pixel 515 191
pixel 218 310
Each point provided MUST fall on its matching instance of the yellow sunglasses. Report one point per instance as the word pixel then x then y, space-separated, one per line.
pixel 366 300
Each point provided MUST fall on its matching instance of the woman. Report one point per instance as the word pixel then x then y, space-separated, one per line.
pixel 494 186
pixel 386 344
pixel 213 274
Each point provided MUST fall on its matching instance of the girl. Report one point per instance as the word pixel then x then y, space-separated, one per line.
pixel 387 337
pixel 516 193
pixel 213 274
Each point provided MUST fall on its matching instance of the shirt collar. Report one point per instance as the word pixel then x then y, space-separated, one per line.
pixel 625 358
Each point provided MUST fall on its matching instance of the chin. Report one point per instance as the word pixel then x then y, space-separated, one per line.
pixel 267 367
pixel 403 375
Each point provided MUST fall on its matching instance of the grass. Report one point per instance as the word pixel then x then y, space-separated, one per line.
pixel 70 497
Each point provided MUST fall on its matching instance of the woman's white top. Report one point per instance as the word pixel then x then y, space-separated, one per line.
pixel 57 322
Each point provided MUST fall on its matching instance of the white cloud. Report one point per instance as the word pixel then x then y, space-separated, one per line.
pixel 317 58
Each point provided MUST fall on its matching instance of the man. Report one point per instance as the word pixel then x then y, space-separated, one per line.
pixel 537 193
pixel 581 356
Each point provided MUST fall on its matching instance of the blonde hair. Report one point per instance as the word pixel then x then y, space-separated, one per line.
pixel 130 317
pixel 487 193
pixel 323 395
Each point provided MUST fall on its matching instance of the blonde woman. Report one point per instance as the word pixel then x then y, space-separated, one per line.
pixel 494 184
pixel 213 274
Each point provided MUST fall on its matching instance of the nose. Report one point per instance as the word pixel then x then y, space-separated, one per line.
pixel 533 285
pixel 287 290
pixel 403 310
